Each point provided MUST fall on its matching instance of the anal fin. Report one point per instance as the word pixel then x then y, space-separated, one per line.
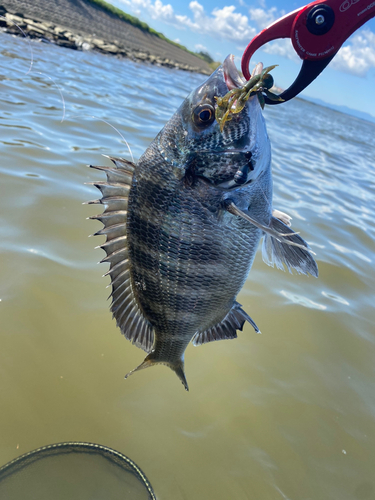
pixel 227 328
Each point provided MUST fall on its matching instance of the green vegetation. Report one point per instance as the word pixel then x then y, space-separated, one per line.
pixel 137 22
pixel 206 57
pixel 134 21
pixel 145 27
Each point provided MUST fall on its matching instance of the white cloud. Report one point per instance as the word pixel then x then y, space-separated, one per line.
pixel 264 18
pixel 160 11
pixel 283 48
pixel 223 23
pixel 357 57
pixel 226 24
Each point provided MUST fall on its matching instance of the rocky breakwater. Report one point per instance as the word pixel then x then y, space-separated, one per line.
pixel 47 31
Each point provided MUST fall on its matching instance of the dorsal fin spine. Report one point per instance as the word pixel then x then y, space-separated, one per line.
pixel 129 309
pixel 124 304
pixel 120 297
pixel 122 275
pixel 122 252
pixel 114 268
pixel 127 289
pixel 115 240
pixel 107 230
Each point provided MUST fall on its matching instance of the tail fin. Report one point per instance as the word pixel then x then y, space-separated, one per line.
pixel 177 367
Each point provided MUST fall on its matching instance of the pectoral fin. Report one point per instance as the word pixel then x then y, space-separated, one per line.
pixel 233 209
pixel 282 216
pixel 281 245
pixel 291 250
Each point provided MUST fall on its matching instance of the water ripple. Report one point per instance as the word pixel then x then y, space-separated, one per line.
pixel 272 406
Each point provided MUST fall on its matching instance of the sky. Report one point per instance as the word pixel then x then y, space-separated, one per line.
pixel 222 27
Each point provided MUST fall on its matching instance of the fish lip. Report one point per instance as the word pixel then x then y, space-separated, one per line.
pixel 232 77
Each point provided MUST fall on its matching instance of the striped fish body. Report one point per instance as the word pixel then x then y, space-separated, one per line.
pixel 189 257
pixel 178 238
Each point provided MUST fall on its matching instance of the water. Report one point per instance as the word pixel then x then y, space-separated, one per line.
pixel 289 414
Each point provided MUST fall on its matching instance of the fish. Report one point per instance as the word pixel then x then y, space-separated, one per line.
pixel 184 222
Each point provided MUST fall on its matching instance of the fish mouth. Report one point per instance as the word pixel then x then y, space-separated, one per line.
pixel 232 77
pixel 234 80
pixel 246 156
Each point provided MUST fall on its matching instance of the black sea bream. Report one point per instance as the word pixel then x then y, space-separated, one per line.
pixel 183 225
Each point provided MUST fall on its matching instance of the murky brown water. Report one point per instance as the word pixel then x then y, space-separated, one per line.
pixel 289 414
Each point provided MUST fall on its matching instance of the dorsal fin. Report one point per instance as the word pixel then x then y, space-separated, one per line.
pixel 227 328
pixel 124 306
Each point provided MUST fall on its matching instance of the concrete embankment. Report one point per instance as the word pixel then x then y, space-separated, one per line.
pixel 83 25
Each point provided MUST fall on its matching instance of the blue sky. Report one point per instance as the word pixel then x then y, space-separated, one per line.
pixel 221 27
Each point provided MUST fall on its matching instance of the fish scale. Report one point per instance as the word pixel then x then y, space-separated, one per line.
pixel 189 276
pixel 182 231
pixel 180 251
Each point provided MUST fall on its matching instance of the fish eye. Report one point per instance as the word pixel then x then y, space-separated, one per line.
pixel 203 114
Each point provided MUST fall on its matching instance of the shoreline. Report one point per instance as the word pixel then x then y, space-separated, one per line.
pixel 86 20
